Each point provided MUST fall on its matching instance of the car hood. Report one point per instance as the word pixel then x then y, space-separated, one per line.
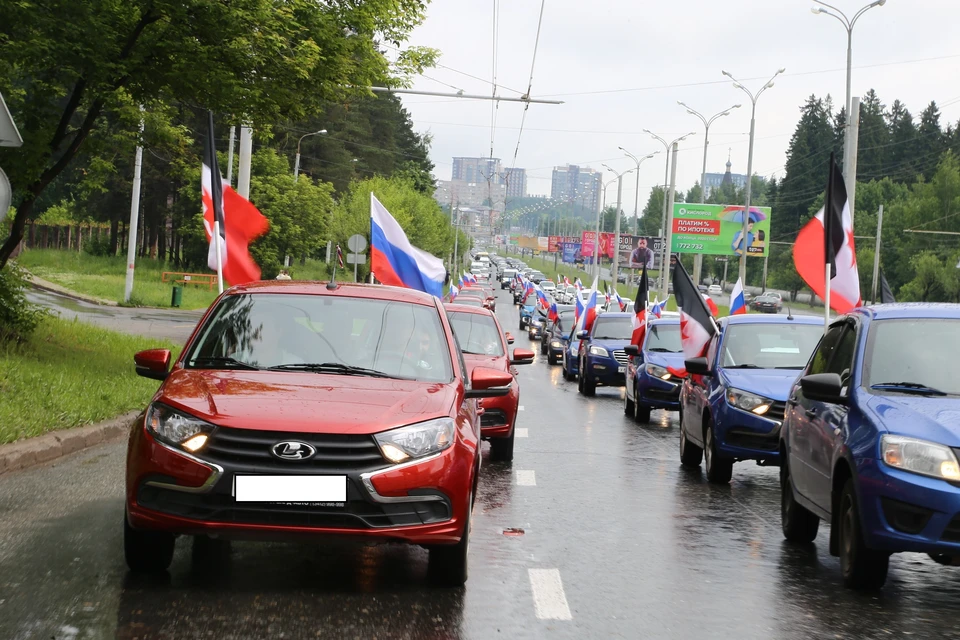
pixel 610 345
pixel 527 308
pixel 308 402
pixel 936 419
pixel 674 360
pixel 769 383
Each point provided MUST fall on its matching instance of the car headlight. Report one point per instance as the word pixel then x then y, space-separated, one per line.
pixel 599 351
pixel 556 344
pixel 919 456
pixel 748 401
pixel 417 440
pixel 657 371
pixel 177 428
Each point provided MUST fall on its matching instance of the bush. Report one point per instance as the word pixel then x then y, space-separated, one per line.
pixel 18 317
pixel 98 246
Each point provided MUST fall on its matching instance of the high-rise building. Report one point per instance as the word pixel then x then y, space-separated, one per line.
pixel 714 181
pixel 477 170
pixel 516 180
pixel 576 184
pixel 471 194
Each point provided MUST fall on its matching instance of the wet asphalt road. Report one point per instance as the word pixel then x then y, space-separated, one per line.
pixel 618 542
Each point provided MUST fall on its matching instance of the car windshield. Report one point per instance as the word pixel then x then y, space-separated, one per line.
pixel 914 350
pixel 664 338
pixel 476 333
pixel 566 317
pixel 770 345
pixel 266 330
pixel 546 284
pixel 613 329
pixel 469 301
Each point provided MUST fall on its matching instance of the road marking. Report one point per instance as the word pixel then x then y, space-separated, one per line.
pixel 548 597
pixel 520 408
pixel 526 478
pixel 521 432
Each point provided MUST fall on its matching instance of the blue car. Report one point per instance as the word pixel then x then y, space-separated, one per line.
pixel 571 356
pixel 871 440
pixel 527 308
pixel 651 385
pixel 733 400
pixel 603 360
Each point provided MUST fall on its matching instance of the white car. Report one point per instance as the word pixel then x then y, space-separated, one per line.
pixel 714 290
pixel 548 286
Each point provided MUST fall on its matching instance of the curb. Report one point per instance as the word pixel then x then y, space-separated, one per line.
pixel 24 454
pixel 43 285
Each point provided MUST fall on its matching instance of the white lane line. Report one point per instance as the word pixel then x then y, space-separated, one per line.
pixel 521 432
pixel 548 597
pixel 526 478
pixel 520 408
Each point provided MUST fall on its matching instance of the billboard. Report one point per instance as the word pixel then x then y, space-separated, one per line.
pixel 543 242
pixel 635 251
pixel 717 229
pixel 514 239
pixel 528 242
pixel 571 252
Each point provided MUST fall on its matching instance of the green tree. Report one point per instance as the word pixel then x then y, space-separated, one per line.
pixel 931 142
pixel 874 138
pixel 927 283
pixel 69 62
pixel 903 144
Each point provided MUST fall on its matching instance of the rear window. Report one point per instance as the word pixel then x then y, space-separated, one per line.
pixel 476 333
pixel 664 338
pixel 613 328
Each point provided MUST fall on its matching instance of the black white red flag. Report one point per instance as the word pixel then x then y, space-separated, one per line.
pixel 640 310
pixel 696 322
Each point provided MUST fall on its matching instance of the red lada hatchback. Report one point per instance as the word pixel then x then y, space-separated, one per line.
pixel 307 410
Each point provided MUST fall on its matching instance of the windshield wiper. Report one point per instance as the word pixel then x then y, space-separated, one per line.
pixel 221 362
pixel 909 387
pixel 662 350
pixel 744 366
pixel 330 367
pixel 799 366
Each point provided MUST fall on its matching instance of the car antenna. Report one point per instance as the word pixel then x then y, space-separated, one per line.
pixel 789 313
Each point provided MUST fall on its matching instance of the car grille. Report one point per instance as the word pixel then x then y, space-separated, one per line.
pixel 661 394
pixel 776 411
pixel 752 440
pixel 250 450
pixel 356 513
pixel 493 418
pixel 621 356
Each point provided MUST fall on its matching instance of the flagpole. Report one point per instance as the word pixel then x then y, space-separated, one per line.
pixel 827 234
pixel 216 235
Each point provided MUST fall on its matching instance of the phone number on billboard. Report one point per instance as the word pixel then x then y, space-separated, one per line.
pixel 689 245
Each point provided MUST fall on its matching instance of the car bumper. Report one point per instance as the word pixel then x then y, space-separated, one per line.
pixel 534 331
pixel 606 371
pixel 657 393
pixel 500 414
pixel 902 511
pixel 556 351
pixel 746 436
pixel 423 502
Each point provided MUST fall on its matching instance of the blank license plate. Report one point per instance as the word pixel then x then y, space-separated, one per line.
pixel 621 369
pixel 290 488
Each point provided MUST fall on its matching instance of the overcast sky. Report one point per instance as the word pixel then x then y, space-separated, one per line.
pixel 630 61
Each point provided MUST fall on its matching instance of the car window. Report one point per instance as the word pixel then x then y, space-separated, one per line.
pixel 613 329
pixel 842 361
pixel 769 345
pixel 918 350
pixel 825 350
pixel 477 334
pixel 267 330
pixel 664 338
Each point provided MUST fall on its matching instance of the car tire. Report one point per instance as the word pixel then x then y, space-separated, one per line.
pixel 629 406
pixel 147 551
pixel 719 469
pixel 587 386
pixel 448 564
pixel 861 567
pixel 543 348
pixel 690 454
pixel 522 324
pixel 501 449
pixel 552 359
pixel 798 523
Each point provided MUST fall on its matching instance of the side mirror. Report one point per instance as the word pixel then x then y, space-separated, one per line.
pixel 509 337
pixel 823 387
pixel 631 350
pixel 489 383
pixel 153 363
pixel 522 356
pixel 697 366
pixel 581 335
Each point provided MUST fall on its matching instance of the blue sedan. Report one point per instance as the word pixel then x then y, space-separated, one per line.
pixel 571 362
pixel 603 360
pixel 871 439
pixel 650 383
pixel 733 400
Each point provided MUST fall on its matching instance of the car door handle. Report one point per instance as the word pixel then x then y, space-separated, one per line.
pixel 811 413
pixel 793 401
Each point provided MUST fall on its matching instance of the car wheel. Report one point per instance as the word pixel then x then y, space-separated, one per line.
pixel 642 414
pixel 501 449
pixel 628 405
pixel 798 523
pixel 147 551
pixel 580 380
pixel 543 348
pixel 587 386
pixel 719 469
pixel 522 325
pixel 552 359
pixel 690 454
pixel 862 567
pixel 448 563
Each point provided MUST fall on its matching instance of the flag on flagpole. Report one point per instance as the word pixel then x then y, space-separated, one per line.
pixel 339 257
pixel 658 307
pixel 825 246
pixel 395 261
pixel 886 295
pixel 711 305
pixel 640 319
pixel 453 292
pixel 238 221
pixel 738 305
pixel 697 326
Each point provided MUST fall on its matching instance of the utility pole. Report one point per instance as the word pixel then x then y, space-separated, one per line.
pixel 851 163
pixel 243 170
pixel 134 218
pixel 668 237
pixel 876 256
pixel 233 134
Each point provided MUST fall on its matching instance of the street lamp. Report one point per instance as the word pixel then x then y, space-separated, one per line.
pixel 666 185
pixel 296 164
pixel 746 210
pixel 636 200
pixel 616 228
pixel 849 167
pixel 698 258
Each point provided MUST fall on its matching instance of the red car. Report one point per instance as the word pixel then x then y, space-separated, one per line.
pixel 484 293
pixel 305 410
pixel 484 345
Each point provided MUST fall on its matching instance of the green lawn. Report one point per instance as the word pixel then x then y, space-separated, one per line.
pixel 69 374
pixel 104 277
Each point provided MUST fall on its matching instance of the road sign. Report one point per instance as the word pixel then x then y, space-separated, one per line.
pixel 356 258
pixel 357 243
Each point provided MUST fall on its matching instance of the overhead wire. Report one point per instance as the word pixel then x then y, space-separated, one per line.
pixel 533 63
pixel 494 103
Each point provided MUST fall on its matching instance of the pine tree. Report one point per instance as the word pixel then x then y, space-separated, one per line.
pixel 806 168
pixel 903 144
pixel 874 139
pixel 931 142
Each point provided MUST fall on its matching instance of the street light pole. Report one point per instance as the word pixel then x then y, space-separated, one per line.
pixel 666 177
pixel 616 228
pixel 753 121
pixel 849 166
pixel 296 163
pixel 698 258
pixel 636 199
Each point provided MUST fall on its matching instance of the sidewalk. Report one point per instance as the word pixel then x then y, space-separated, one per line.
pixel 46 285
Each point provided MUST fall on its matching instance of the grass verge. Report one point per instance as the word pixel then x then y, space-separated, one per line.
pixel 69 374
pixel 105 277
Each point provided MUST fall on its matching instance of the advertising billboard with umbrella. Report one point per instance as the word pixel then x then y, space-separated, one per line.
pixel 716 229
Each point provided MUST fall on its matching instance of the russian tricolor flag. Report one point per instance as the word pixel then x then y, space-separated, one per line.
pixel 590 314
pixel 737 303
pixel 541 296
pixel 658 307
pixel 396 262
pixel 453 292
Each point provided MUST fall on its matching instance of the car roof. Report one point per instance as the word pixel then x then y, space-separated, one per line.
pixel 671 320
pixel 770 318
pixel 462 308
pixel 345 289
pixel 616 314
pixel 910 310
